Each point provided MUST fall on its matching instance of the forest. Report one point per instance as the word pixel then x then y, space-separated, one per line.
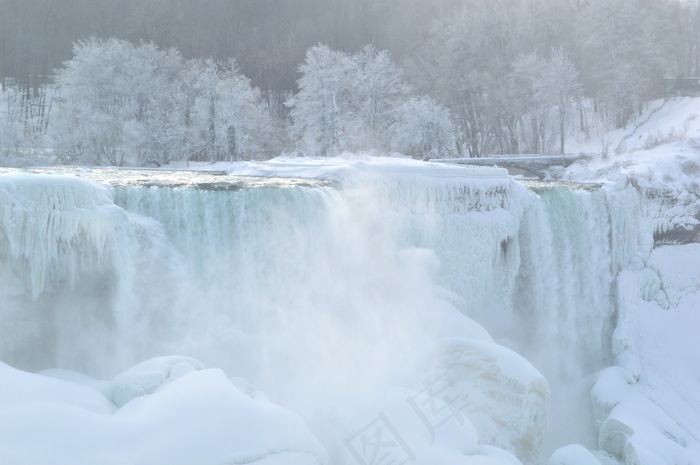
pixel 149 82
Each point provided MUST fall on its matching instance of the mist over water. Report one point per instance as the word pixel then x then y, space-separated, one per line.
pixel 297 290
pixel 318 295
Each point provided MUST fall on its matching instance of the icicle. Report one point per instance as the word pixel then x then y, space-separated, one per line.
pixel 53 228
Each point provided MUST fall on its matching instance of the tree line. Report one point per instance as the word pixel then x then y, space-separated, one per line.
pixel 118 103
pixel 224 80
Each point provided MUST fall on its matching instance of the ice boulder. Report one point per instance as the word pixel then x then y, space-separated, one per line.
pixel 573 454
pixel 148 376
pixel 639 430
pixel 502 394
pixel 401 425
pixel 203 418
pixel 611 386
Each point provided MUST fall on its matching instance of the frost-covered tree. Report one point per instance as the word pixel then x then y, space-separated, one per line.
pixel 464 63
pixel 104 98
pixel 532 106
pixel 126 104
pixel 347 102
pixel 232 120
pixel 624 52
pixel 320 110
pixel 558 85
pixel 378 90
pixel 161 103
pixel 25 113
pixel 11 131
pixel 424 130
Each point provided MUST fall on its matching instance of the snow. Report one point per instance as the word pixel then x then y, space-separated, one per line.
pixel 342 167
pixel 573 454
pixel 146 377
pixel 200 417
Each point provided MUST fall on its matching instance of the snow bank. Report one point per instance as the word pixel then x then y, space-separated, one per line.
pixel 200 417
pixel 345 166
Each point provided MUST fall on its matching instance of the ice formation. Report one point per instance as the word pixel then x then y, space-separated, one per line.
pixel 54 228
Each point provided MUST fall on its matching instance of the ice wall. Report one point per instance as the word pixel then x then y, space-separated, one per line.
pixel 59 243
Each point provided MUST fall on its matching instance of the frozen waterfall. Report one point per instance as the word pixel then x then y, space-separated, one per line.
pixel 458 312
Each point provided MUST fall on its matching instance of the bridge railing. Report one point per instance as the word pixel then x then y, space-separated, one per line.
pixel 565 159
pixel 542 155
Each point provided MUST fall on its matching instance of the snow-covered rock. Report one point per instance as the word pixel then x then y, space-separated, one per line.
pixel 198 416
pixel 573 454
pixel 146 377
pixel 501 393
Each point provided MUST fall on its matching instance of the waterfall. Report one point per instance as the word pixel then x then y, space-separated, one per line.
pixel 317 294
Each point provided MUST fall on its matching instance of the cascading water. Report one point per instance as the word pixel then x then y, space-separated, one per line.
pixel 322 294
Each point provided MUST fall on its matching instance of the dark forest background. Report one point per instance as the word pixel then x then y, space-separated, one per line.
pixel 515 76
pixel 268 38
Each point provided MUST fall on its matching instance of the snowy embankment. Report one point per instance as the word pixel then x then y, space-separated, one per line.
pixel 192 415
pixel 660 158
